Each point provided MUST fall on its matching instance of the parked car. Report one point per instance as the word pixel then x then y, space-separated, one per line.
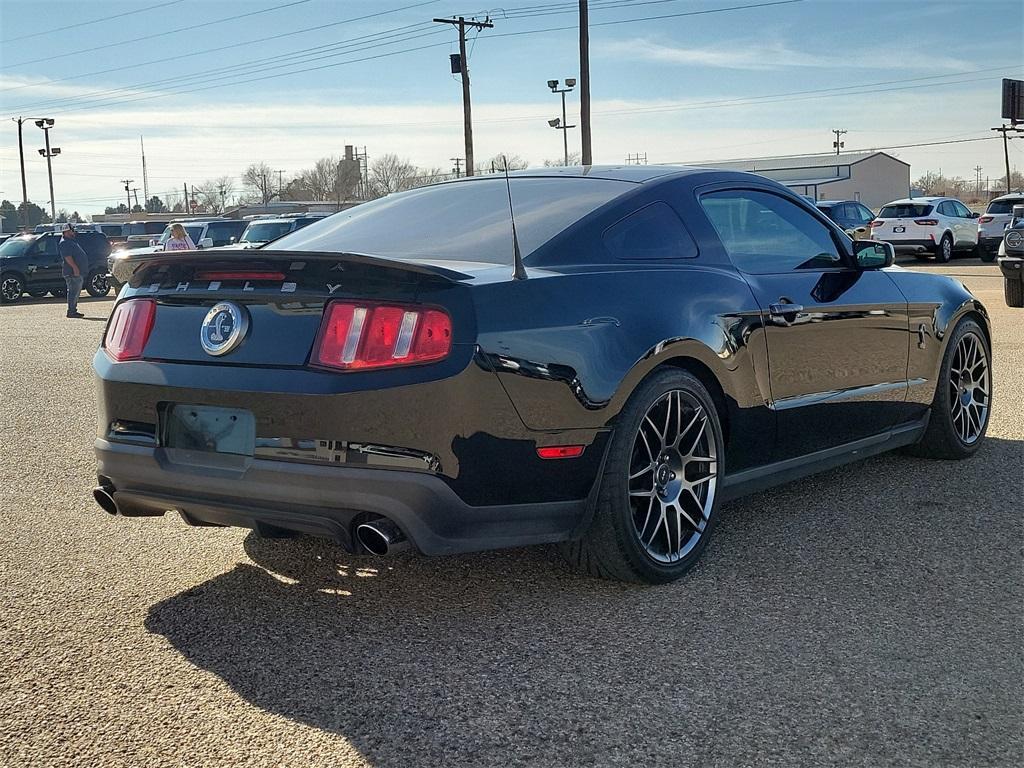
pixel 114 232
pixel 259 232
pixel 992 223
pixel 938 226
pixel 644 343
pixel 1011 258
pixel 32 264
pixel 205 233
pixel 851 215
pixel 140 234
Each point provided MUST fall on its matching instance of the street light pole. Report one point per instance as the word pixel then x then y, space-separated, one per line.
pixel 46 124
pixel 563 125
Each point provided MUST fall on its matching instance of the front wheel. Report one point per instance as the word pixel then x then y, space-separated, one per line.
pixel 11 288
pixel 658 494
pixel 1013 290
pixel 97 285
pixel 963 396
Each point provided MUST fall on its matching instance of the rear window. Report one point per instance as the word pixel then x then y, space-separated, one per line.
pixel 1004 206
pixel 904 211
pixel 466 220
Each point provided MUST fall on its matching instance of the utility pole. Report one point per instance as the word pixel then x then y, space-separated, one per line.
pixel 21 156
pixel 135 191
pixel 467 111
pixel 223 198
pixel 46 123
pixel 185 207
pixel 128 191
pixel 145 177
pixel 280 182
pixel 1005 130
pixel 458 166
pixel 265 189
pixel 977 182
pixel 586 156
pixel 837 144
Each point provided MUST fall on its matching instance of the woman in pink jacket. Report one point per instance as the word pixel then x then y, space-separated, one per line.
pixel 179 240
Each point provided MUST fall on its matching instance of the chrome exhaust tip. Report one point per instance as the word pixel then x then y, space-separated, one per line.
pixel 380 537
pixel 105 498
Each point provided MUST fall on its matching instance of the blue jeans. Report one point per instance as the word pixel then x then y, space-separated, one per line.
pixel 74 289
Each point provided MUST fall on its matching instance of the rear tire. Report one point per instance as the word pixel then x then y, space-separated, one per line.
pixel 96 284
pixel 12 286
pixel 657 499
pixel 1014 292
pixel 922 256
pixel 36 293
pixel 944 250
pixel 986 254
pixel 963 396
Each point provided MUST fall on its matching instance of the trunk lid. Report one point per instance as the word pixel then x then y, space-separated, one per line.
pixel 283 294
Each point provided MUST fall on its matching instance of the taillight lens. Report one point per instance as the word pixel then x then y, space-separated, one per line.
pixel 129 328
pixel 357 336
pixel 927 222
pixel 876 223
pixel 985 219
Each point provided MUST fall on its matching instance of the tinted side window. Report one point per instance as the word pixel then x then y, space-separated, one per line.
pixel 654 232
pixel 962 210
pixel 223 231
pixel 865 214
pixel 946 208
pixel 50 245
pixel 767 234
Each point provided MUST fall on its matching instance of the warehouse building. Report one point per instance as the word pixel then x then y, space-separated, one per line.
pixel 872 178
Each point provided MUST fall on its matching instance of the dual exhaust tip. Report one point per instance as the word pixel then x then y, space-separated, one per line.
pixel 379 537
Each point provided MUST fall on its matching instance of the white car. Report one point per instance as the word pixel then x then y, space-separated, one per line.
pixel 992 223
pixel 927 225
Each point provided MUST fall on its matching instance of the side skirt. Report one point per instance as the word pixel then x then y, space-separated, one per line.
pixel 769 475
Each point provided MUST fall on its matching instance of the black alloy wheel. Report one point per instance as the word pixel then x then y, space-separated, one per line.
pixel 658 495
pixel 963 397
pixel 11 288
pixel 97 285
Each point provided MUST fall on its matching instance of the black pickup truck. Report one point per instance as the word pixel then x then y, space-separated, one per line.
pixel 31 264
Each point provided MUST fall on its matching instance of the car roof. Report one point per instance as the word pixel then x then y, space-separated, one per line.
pixel 915 200
pixel 838 202
pixel 1009 196
pixel 275 220
pixel 637 174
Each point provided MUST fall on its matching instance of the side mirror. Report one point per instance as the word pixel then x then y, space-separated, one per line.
pixel 873 255
pixel 975 214
pixel 206 242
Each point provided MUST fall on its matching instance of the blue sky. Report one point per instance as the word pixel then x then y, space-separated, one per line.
pixel 712 85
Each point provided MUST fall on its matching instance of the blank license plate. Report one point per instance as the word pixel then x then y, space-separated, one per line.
pixel 211 429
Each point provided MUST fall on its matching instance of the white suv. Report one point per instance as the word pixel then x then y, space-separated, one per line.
pixel 927 225
pixel 992 223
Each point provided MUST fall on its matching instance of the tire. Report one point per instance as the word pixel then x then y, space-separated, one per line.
pixel 958 421
pixel 37 293
pixel 12 286
pixel 1014 292
pixel 986 254
pixel 96 284
pixel 59 293
pixel 944 250
pixel 922 256
pixel 633 536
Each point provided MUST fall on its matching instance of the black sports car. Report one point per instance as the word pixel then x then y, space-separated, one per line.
pixel 643 344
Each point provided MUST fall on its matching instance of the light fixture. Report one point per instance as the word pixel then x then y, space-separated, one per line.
pixel 552 84
pixel 570 82
pixel 553 123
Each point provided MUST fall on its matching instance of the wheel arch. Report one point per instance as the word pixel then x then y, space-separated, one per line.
pixel 707 377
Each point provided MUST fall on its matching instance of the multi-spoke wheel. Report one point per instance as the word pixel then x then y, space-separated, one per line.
pixel 96 284
pixel 657 501
pixel 969 387
pixel 963 398
pixel 672 478
pixel 11 287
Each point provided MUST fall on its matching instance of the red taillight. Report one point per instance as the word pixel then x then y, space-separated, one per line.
pixel 360 336
pixel 128 330
pixel 927 222
pixel 985 219
pixel 560 451
pixel 876 223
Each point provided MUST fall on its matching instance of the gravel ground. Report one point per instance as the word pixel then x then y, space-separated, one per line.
pixel 869 616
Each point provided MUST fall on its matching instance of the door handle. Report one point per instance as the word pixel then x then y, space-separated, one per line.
pixel 785 309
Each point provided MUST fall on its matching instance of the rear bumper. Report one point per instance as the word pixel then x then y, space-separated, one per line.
pixel 1012 267
pixel 912 245
pixel 990 243
pixel 326 500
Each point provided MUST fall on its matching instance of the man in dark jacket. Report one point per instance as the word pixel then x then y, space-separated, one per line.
pixel 75 266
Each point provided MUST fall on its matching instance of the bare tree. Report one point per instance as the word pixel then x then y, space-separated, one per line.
pixel 215 193
pixel 391 173
pixel 258 180
pixel 574 159
pixel 503 160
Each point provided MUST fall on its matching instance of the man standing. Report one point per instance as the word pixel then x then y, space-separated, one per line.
pixel 75 267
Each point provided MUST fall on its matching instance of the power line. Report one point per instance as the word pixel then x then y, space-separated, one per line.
pixel 222 48
pixel 51 30
pixel 189 28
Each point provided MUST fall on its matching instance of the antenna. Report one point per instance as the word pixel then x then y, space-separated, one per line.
pixel 518 270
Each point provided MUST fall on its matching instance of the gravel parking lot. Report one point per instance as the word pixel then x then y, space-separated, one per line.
pixel 868 616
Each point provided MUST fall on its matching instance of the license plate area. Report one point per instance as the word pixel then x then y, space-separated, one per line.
pixel 899 229
pixel 205 429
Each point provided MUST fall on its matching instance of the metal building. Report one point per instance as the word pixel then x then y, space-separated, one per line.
pixel 873 178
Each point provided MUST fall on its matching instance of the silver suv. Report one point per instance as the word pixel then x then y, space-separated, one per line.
pixel 992 223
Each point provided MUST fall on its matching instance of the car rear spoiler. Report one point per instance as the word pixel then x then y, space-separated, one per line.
pixel 254 256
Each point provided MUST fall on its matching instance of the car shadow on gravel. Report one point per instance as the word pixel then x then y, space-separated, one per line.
pixel 869 615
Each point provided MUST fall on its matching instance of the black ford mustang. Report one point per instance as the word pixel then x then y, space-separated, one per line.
pixel 395 374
